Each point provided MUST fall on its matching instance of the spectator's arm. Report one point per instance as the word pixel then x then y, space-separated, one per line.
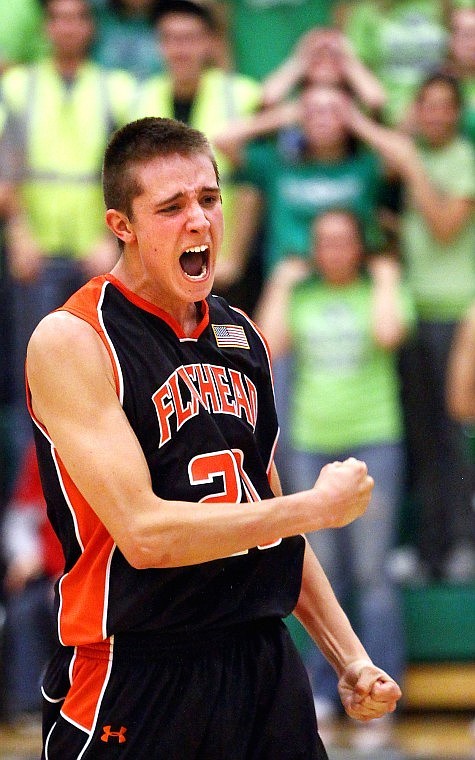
pixel 102 257
pixel 22 546
pixel 445 215
pixel 363 83
pixel 282 80
pixel 24 254
pixel 389 324
pixel 241 131
pixel 273 308
pixel 461 372
pixel 249 202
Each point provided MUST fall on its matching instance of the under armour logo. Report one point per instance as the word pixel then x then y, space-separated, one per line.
pixel 109 734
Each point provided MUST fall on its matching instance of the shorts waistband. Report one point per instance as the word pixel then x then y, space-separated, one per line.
pixel 155 644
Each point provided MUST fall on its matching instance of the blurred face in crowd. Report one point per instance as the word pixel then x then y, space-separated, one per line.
pixel 69 27
pixel 337 247
pixel 323 117
pixel 437 113
pixel 186 44
pixel 462 42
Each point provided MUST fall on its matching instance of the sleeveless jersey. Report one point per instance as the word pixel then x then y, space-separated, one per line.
pixel 202 408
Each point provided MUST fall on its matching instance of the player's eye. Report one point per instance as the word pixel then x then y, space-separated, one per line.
pixel 173 208
pixel 210 200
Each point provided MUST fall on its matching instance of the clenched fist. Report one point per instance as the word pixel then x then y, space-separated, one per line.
pixel 344 489
pixel 367 692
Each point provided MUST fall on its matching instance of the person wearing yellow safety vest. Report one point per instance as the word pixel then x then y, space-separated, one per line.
pixel 61 111
pixel 206 96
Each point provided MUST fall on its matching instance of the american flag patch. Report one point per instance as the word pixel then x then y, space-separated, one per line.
pixel 230 336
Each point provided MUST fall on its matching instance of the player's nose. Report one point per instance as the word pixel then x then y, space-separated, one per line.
pixel 197 219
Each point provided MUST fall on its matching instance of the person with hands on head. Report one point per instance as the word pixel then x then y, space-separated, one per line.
pixel 182 556
pixel 340 316
pixel 323 56
pixel 437 237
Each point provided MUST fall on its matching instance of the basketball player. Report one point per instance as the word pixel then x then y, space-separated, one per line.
pixel 155 429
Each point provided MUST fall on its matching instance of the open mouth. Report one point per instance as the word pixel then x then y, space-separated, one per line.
pixel 194 262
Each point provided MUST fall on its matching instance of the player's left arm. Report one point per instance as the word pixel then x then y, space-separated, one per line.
pixel 366 691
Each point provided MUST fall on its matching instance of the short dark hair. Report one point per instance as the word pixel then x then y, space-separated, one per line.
pixel 141 141
pixel 198 8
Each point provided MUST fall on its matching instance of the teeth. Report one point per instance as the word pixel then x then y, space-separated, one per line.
pixel 200 275
pixel 196 249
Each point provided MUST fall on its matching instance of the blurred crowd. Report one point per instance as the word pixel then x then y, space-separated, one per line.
pixel 345 139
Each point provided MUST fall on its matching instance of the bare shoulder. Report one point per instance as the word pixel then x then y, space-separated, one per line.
pixel 66 360
pixel 61 335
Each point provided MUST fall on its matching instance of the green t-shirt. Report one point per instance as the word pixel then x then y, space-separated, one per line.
pixel 345 390
pixel 296 191
pixel 127 43
pixel 401 42
pixel 442 275
pixel 264 32
pixel 467 120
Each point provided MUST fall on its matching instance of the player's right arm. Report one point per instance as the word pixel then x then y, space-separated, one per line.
pixel 74 397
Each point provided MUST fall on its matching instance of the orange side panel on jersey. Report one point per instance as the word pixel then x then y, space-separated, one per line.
pixel 89 676
pixel 84 590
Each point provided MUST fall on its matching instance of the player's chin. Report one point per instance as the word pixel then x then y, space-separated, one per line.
pixel 198 289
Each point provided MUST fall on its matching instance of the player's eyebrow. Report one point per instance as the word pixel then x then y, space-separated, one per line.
pixel 176 196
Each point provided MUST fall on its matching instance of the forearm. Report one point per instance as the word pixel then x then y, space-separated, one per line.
pixel 243 230
pixel 461 372
pixel 321 614
pixel 444 215
pixel 273 307
pixel 279 82
pixel 265 122
pixel 271 316
pixel 178 534
pixel 153 532
pixel 364 83
pixel 389 326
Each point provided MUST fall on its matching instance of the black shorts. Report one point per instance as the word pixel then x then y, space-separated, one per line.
pixel 240 694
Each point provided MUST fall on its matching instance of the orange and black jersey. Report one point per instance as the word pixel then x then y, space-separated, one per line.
pixel 202 408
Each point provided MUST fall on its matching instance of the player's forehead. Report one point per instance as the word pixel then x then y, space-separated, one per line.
pixel 165 177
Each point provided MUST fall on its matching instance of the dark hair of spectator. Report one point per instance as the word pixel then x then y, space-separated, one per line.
pixel 123 10
pixel 162 8
pixel 445 78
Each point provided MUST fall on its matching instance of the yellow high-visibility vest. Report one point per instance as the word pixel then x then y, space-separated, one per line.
pixel 62 129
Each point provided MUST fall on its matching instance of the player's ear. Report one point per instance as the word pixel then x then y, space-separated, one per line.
pixel 120 225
